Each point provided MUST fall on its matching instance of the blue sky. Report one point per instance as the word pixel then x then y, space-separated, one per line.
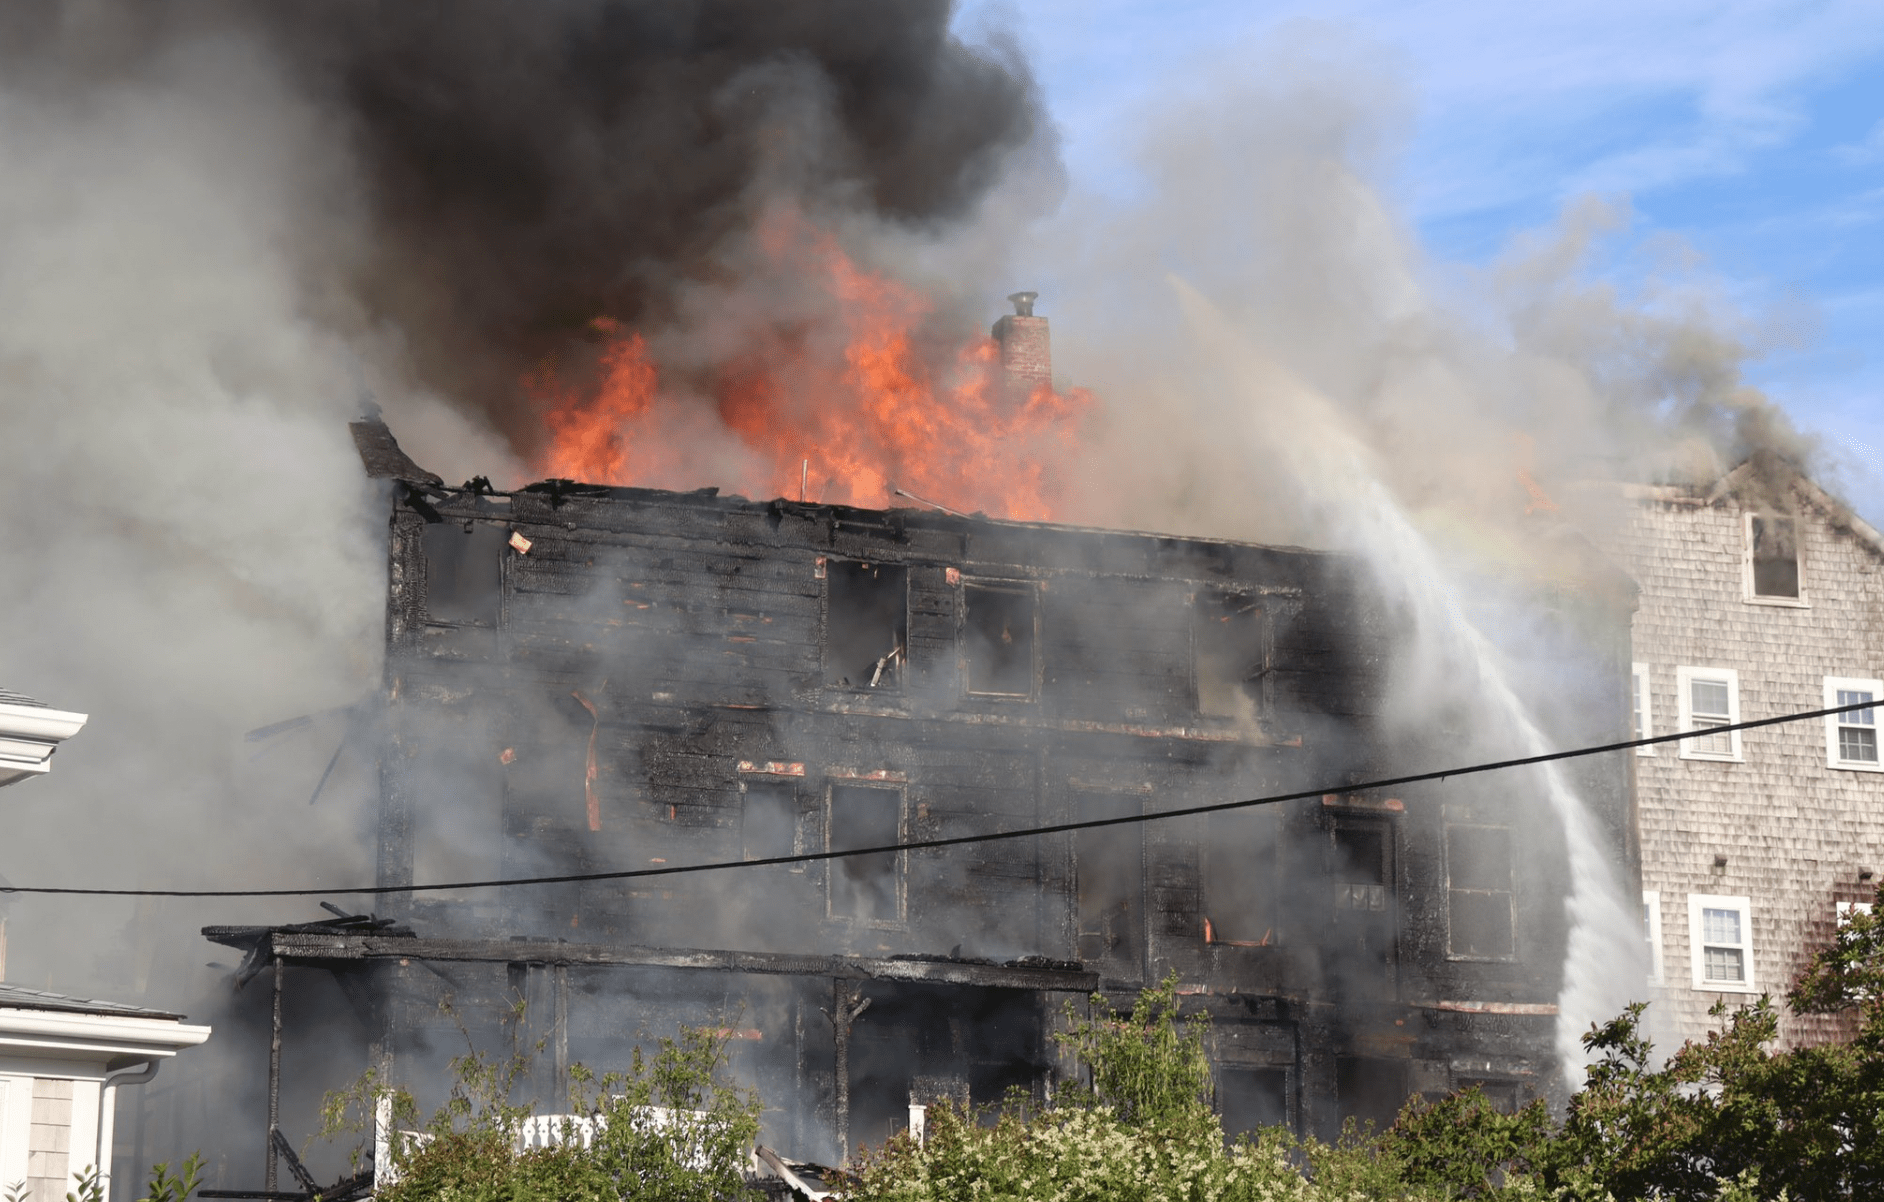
pixel 1753 131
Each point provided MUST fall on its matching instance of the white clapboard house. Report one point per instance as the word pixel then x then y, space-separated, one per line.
pixel 62 1062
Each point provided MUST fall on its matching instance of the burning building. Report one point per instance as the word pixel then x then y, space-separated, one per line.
pixel 585 679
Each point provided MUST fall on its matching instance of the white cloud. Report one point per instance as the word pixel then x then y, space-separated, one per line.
pixel 1518 101
pixel 1869 149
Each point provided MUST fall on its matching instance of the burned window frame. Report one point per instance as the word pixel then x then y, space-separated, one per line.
pixel 468 528
pixel 1291 1090
pixel 1360 815
pixel 1750 524
pixel 1491 1087
pixel 1509 892
pixel 1258 605
pixel 1356 1062
pixel 827 568
pixel 1338 822
pixel 899 859
pixel 1209 881
pixel 1028 588
pixel 1082 803
pixel 788 784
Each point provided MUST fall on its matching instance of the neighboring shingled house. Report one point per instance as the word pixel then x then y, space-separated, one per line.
pixel 1760 595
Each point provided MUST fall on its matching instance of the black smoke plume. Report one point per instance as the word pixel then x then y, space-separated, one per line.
pixel 527 167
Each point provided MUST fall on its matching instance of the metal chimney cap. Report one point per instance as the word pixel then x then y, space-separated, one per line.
pixel 1023 303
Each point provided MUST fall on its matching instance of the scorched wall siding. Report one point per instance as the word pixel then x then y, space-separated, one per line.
pixel 584 679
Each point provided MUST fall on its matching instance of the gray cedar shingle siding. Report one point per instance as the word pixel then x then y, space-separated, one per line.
pixel 1795 832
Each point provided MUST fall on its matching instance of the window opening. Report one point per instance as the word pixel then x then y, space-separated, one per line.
pixel 1370 1089
pixel 1775 551
pixel 1239 868
pixel 768 821
pixel 1851 738
pixel 1360 869
pixel 866 888
pixel 1479 891
pixel 1644 724
pixel 1710 698
pixel 1250 1098
pixel 1722 943
pixel 463 570
pixel 458 796
pixel 866 624
pixel 1109 876
pixel 998 639
pixel 1362 872
pixel 1230 660
pixel 1502 1094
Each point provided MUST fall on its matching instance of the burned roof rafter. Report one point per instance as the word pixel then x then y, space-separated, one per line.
pixel 329 947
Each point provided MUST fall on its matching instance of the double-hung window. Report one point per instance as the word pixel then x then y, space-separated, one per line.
pixel 1720 942
pixel 1481 890
pixel 1851 737
pixel 1644 727
pixel 1710 698
pixel 1652 925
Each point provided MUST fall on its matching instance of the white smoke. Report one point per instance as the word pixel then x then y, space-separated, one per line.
pixel 194 550
pixel 1325 380
pixel 1332 472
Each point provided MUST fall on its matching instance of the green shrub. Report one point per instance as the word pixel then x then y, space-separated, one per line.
pixel 669 1128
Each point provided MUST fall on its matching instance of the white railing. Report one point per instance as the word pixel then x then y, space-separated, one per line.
pixel 536 1131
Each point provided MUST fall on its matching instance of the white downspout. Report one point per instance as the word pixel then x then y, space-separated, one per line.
pixel 135 1074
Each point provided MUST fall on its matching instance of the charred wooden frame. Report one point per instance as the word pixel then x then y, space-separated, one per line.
pixel 647 677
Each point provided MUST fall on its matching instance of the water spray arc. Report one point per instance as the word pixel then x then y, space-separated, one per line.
pixel 1334 473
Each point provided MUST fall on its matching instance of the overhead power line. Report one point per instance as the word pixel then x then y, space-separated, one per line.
pixel 629 874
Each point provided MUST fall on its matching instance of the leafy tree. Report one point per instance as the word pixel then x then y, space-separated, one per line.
pixel 1140 1130
pixel 1149 1068
pixel 166 1186
pixel 1462 1146
pixel 1727 1112
pixel 1725 1119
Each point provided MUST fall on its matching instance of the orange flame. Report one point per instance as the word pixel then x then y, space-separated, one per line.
pixel 849 391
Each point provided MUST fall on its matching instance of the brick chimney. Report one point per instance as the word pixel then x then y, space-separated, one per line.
pixel 1026 354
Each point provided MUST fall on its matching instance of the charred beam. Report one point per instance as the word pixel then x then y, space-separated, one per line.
pixel 320 948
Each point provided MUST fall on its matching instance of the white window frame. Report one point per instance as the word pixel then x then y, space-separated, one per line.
pixel 1652 914
pixel 1684 687
pixel 1697 958
pixel 1644 713
pixel 1845 910
pixel 1851 684
pixel 1798 557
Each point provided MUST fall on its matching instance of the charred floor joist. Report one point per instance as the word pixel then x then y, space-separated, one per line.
pixel 582 679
